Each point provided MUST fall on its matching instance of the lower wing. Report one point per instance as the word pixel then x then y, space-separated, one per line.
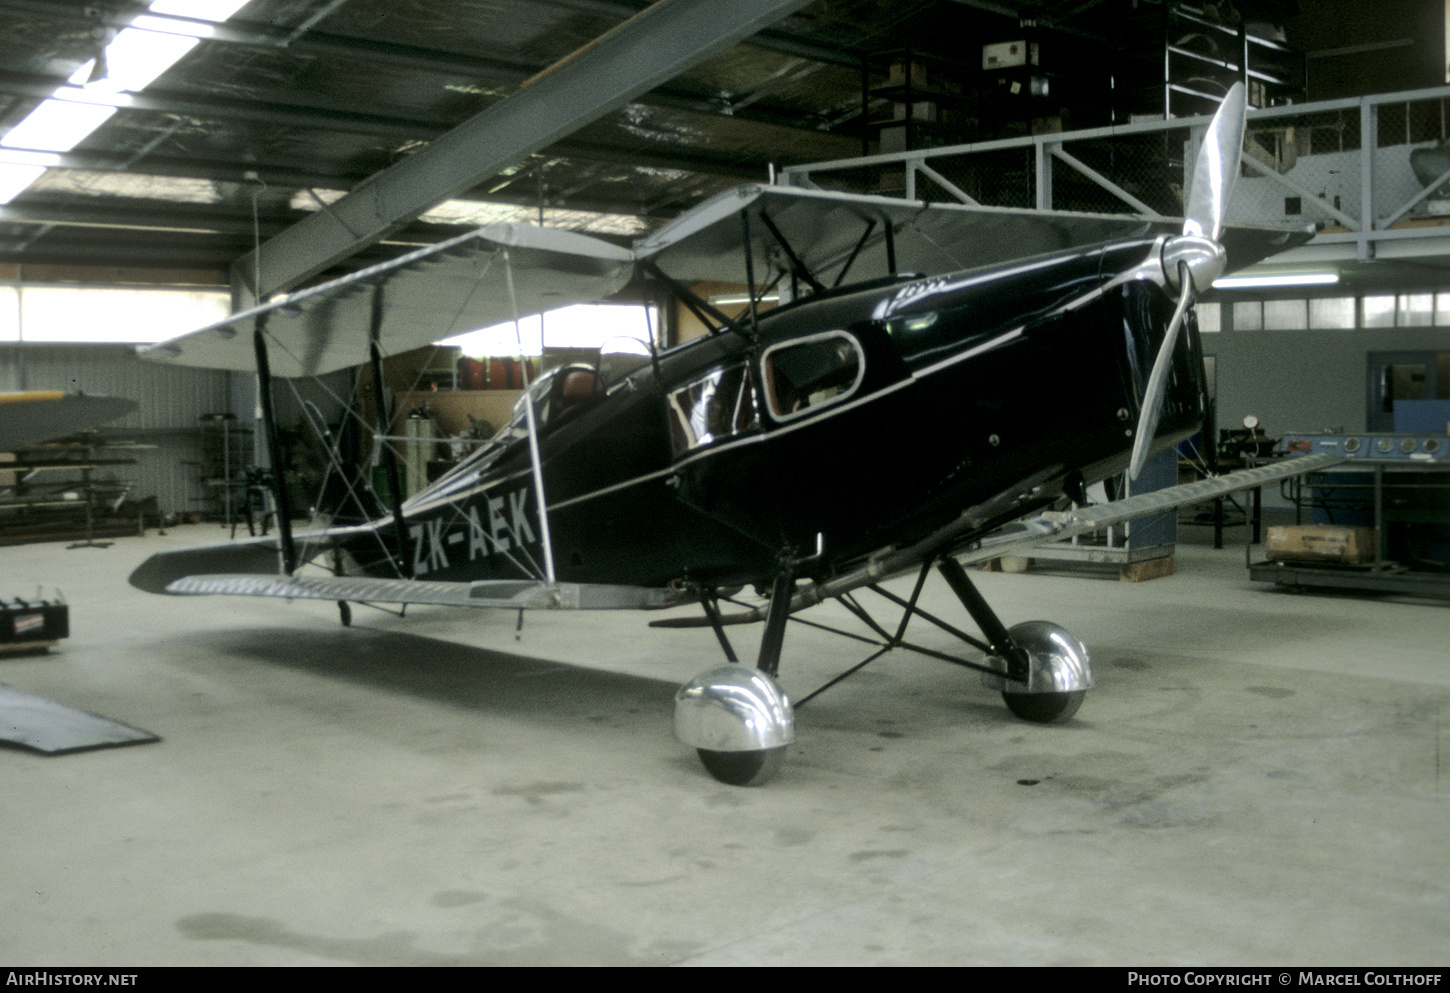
pixel 239 568
pixel 512 594
pixel 251 568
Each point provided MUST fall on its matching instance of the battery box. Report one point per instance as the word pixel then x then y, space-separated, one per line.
pixel 30 624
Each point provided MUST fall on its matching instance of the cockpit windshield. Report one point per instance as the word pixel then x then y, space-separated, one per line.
pixel 560 395
pixel 714 407
pixel 619 357
pixel 515 430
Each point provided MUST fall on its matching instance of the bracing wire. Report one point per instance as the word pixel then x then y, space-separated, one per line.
pixel 525 565
pixel 548 550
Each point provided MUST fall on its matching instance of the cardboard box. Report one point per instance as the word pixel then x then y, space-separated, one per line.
pixel 1321 543
pixel 1006 54
pixel 899 74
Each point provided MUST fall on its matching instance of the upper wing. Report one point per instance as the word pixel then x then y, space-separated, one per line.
pixel 513 270
pixel 1028 533
pixel 824 228
pixel 456 286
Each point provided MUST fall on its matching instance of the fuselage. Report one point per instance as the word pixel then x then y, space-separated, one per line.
pixel 844 422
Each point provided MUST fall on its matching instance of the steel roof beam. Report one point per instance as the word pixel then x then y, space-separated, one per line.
pixel 169 217
pixel 262 35
pixel 780 38
pixel 223 223
pixel 221 170
pixel 164 101
pixel 499 67
pixel 231 170
pixel 639 55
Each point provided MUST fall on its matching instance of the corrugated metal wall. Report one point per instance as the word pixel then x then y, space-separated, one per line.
pixel 172 399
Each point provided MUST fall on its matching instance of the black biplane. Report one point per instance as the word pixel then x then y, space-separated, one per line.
pixel 995 361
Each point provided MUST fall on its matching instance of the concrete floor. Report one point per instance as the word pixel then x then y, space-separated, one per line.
pixel 1256 779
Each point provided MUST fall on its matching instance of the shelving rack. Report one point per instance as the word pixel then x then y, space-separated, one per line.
pixel 226 454
pixel 1202 57
pixel 49 493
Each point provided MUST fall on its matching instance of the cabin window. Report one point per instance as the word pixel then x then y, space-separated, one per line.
pixel 812 372
pixel 718 405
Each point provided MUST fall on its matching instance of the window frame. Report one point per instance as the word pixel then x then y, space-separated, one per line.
pixel 768 392
pixel 747 393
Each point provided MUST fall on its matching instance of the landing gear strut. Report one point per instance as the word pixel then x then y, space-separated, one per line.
pixel 1042 671
pixel 740 722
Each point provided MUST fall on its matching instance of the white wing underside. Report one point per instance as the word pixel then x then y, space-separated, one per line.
pixel 453 287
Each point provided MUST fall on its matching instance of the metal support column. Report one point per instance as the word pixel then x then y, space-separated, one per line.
pixel 1368 144
pixel 382 426
pixel 1042 161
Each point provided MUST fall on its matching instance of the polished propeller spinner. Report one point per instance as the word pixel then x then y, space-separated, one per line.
pixel 1194 259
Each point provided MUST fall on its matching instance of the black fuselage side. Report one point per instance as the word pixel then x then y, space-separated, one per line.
pixel 867 417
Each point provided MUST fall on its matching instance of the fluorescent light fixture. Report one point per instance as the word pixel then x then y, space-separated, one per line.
pixel 134 58
pixel 162 25
pixel 16 156
pixel 740 299
pixel 16 179
pixel 215 11
pixel 1276 279
pixel 57 126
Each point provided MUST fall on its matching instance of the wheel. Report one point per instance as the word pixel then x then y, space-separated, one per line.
pixel 738 720
pixel 1044 708
pixel 742 768
pixel 1059 674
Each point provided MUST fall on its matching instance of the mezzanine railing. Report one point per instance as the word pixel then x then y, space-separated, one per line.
pixel 1348 166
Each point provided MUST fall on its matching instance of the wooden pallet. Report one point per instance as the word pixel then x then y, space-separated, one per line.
pixel 1128 572
pixel 1138 572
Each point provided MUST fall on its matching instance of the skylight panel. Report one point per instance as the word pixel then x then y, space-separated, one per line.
pixel 12 156
pixel 215 11
pixel 57 126
pixel 14 179
pixel 134 59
